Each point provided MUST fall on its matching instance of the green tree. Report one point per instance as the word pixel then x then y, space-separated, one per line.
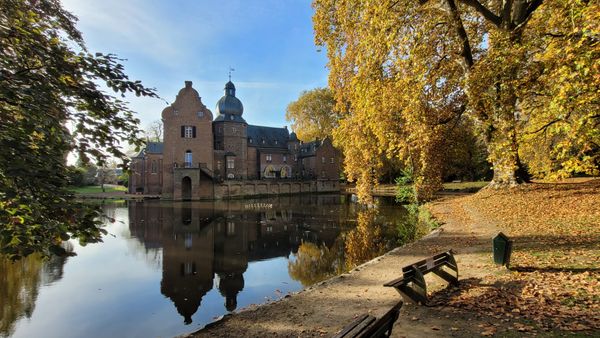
pixel 48 81
pixel 313 115
pixel 405 69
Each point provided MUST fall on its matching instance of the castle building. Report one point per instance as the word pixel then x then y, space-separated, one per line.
pixel 198 154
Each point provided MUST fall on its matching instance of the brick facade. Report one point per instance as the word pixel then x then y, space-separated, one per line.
pixel 199 153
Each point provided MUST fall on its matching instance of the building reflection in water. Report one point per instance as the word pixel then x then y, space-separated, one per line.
pixel 201 240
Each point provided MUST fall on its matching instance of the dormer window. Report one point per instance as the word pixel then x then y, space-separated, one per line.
pixel 263 141
pixel 275 141
pixel 231 117
pixel 200 113
pixel 250 140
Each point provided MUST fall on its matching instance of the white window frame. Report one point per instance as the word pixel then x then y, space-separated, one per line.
pixel 230 163
pixel 269 157
pixel 187 159
pixel 188 132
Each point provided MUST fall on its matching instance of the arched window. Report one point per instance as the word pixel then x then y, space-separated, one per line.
pixel 188 159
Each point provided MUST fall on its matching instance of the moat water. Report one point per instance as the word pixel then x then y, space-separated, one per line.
pixel 169 268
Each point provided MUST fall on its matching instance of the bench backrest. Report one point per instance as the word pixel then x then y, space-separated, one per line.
pixel 429 264
pixel 382 327
pixel 367 326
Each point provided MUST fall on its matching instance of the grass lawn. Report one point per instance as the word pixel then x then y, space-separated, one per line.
pixel 96 189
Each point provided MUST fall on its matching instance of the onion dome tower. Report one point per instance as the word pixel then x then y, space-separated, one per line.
pixel 229 107
pixel 230 136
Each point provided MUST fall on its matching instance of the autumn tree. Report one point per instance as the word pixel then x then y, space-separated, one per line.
pixel 405 70
pixel 51 103
pixel 313 115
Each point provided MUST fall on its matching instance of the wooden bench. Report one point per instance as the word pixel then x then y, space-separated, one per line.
pixel 367 326
pixel 412 284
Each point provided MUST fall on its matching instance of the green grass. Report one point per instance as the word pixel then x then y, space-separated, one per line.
pixel 96 189
pixel 465 185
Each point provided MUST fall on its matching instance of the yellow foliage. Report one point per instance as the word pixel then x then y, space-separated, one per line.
pixel 403 71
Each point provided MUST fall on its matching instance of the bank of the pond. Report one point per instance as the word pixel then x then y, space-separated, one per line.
pixel 538 296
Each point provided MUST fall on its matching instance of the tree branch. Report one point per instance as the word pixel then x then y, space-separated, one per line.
pixel 533 6
pixel 529 11
pixel 466 52
pixel 506 11
pixel 544 127
pixel 493 18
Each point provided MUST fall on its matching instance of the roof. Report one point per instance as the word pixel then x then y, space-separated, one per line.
pixel 309 148
pixel 154 148
pixel 267 137
pixel 229 104
pixel 230 117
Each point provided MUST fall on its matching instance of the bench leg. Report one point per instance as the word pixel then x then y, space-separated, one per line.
pixel 452 280
pixel 416 289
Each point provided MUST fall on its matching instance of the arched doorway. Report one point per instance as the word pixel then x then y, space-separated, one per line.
pixel 186 188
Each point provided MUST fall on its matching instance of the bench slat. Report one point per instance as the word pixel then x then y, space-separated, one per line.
pixel 358 325
pixel 367 326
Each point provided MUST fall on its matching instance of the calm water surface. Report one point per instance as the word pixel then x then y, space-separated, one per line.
pixel 169 268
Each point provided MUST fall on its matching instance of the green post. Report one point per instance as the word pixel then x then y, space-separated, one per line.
pixel 502 247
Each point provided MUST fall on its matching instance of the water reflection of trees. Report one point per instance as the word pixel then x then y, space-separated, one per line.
pixel 19 286
pixel 373 235
pixel 366 241
pixel 317 262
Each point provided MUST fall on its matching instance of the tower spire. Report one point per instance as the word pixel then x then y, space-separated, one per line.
pixel 230 70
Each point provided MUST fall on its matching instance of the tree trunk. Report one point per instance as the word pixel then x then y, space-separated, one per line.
pixel 503 148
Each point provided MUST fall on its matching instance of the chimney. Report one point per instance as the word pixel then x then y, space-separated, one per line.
pixel 188 84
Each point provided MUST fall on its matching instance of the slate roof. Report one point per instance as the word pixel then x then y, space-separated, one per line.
pixel 229 107
pixel 154 148
pixel 229 117
pixel 308 149
pixel 272 137
pixel 229 104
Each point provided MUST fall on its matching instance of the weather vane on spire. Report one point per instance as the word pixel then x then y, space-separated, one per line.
pixel 230 70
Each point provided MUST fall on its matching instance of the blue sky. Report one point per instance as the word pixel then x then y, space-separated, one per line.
pixel 269 43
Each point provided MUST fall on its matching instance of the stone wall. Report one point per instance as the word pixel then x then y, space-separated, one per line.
pixel 239 189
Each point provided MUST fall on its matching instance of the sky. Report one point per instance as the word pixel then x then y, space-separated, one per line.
pixel 269 43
